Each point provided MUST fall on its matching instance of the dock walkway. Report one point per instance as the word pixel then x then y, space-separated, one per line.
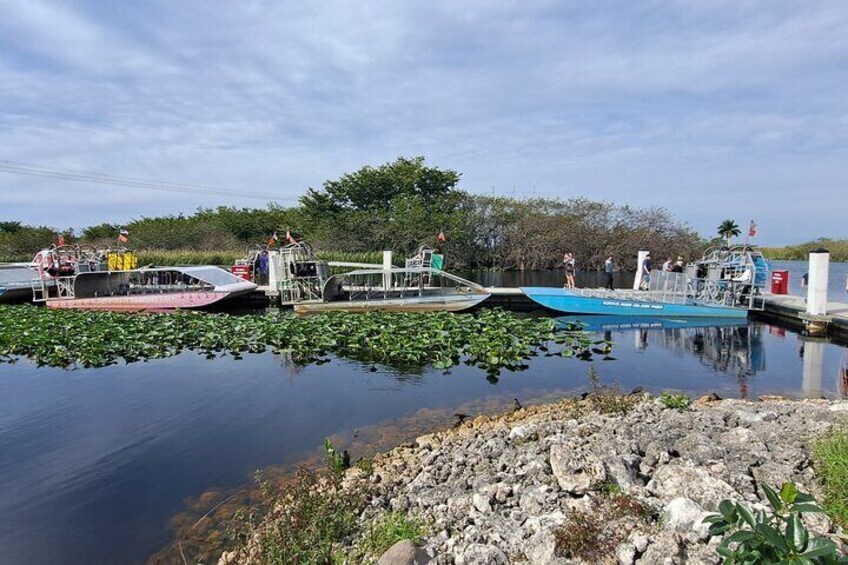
pixel 793 309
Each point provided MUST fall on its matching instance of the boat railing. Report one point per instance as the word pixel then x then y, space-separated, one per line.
pixel 667 287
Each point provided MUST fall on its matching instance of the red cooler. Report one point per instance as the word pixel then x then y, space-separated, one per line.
pixel 241 271
pixel 780 282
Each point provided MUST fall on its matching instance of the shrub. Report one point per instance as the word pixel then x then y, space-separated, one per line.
pixel 778 536
pixel 608 399
pixel 674 400
pixel 592 535
pixel 313 517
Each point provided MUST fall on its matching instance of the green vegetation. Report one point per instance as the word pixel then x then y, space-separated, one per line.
pixel 831 463
pixel 594 534
pixel 384 532
pixel 838 250
pixel 398 206
pixel 337 461
pixel 675 400
pixel 777 536
pixel 311 516
pixel 728 229
pixel 608 399
pixel 489 339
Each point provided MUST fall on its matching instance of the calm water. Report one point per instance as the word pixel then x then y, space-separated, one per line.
pixel 93 463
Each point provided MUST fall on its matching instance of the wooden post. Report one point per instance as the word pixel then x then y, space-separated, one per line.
pixel 817 282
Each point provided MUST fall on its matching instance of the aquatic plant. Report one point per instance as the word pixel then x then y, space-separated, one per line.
pixel 489 339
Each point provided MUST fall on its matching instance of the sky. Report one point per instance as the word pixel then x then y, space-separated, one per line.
pixel 711 109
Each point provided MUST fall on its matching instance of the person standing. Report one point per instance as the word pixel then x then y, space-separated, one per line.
pixel 609 268
pixel 645 273
pixel 570 265
pixel 667 265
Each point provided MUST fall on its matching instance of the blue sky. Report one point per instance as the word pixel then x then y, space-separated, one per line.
pixel 711 109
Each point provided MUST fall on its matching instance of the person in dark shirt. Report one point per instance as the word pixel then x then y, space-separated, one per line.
pixel 609 268
pixel 645 273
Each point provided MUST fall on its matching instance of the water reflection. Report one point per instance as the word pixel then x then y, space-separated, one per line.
pixel 734 347
pixel 94 462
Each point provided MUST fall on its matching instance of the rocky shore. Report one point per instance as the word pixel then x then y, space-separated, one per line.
pixel 603 480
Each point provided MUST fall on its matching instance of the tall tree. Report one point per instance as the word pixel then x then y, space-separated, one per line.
pixel 728 229
pixel 374 188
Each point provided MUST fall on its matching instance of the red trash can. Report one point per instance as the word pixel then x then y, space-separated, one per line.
pixel 780 282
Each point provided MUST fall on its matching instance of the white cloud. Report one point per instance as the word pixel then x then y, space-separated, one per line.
pixel 636 102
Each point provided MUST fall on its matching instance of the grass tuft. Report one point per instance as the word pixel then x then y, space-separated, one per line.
pixel 386 531
pixel 831 464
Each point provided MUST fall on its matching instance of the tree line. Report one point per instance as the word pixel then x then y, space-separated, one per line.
pixel 399 206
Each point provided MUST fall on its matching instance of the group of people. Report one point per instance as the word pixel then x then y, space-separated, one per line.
pixel 670 266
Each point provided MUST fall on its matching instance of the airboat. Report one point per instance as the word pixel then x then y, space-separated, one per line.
pixel 104 278
pixel 297 278
pixel 724 283
pixel 16 281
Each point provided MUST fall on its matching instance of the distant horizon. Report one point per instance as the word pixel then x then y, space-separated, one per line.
pixel 710 110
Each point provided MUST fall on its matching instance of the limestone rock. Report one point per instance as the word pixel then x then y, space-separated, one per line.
pixel 480 554
pixel 576 472
pixel 404 552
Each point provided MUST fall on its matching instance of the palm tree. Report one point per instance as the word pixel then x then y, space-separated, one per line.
pixel 728 229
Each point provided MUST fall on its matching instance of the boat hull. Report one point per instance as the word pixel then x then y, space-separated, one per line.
pixel 417 304
pixel 567 302
pixel 601 323
pixel 164 302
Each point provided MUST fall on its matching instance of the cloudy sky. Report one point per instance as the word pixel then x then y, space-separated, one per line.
pixel 712 109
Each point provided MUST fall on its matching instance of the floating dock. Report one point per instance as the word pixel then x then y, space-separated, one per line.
pixel 792 310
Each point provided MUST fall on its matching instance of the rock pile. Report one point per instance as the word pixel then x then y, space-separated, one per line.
pixel 565 483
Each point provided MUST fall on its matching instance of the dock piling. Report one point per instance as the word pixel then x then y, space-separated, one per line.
pixel 387 266
pixel 640 258
pixel 817 283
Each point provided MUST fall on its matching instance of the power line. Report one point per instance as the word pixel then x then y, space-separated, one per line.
pixel 27 169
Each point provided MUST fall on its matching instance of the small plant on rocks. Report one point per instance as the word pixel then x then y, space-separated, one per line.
pixel 675 400
pixel 608 399
pixel 313 516
pixel 778 536
pixel 337 461
pixel 385 531
pixel 592 535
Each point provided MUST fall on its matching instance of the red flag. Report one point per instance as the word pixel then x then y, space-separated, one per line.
pixel 61 240
pixel 123 236
pixel 752 229
pixel 274 239
pixel 289 237
pixel 441 236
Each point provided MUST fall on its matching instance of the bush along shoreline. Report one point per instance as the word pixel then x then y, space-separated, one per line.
pixel 611 478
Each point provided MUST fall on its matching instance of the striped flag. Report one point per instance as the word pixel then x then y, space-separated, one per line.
pixel 752 229
pixel 123 236
pixel 274 239
pixel 289 237
pixel 441 237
